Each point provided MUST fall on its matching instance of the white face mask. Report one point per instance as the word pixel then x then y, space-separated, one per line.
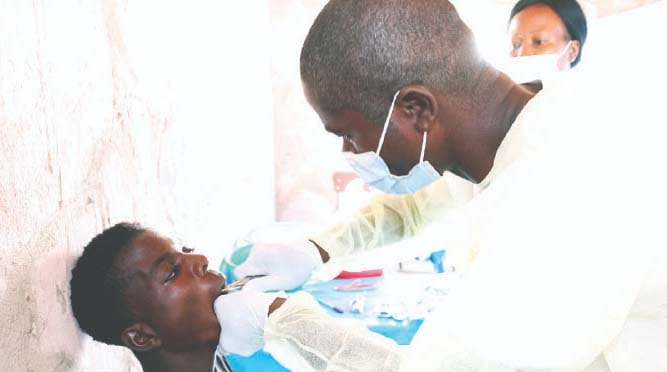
pixel 375 172
pixel 536 67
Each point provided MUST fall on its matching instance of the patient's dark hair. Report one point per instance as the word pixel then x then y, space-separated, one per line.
pixel 358 53
pixel 97 284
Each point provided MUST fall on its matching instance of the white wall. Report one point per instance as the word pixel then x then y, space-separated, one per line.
pixel 150 111
pixel 306 156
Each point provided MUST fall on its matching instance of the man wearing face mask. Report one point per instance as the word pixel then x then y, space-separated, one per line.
pixel 568 271
pixel 547 36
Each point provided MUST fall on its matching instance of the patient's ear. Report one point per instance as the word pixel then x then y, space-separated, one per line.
pixel 140 337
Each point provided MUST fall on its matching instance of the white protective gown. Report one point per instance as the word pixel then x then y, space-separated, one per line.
pixel 569 247
pixel 569 241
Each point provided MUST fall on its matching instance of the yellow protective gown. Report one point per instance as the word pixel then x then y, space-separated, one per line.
pixel 302 337
pixel 390 218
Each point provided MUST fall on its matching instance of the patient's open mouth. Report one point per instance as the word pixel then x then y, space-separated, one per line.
pixel 221 278
pixel 238 285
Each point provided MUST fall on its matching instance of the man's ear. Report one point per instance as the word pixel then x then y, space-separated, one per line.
pixel 419 105
pixel 140 337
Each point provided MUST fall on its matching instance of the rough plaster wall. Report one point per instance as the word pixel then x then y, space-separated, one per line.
pixel 99 123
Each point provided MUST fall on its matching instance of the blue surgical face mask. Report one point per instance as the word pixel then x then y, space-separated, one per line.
pixel 375 172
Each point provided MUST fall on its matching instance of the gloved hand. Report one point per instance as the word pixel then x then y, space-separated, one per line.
pixel 286 266
pixel 242 316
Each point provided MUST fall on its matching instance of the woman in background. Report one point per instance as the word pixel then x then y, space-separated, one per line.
pixel 547 36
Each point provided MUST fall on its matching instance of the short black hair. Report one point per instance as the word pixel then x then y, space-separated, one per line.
pixel 97 286
pixel 358 53
pixel 570 13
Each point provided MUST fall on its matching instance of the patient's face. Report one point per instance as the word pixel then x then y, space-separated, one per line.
pixel 173 292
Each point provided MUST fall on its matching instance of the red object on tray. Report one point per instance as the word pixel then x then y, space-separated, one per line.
pixel 359 274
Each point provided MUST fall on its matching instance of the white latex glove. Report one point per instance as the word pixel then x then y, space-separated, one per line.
pixel 242 316
pixel 286 266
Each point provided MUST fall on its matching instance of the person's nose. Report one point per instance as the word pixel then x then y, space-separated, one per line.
pixel 198 264
pixel 526 50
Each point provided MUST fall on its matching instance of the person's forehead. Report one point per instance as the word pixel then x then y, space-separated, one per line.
pixel 342 122
pixel 536 18
pixel 334 119
pixel 145 250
